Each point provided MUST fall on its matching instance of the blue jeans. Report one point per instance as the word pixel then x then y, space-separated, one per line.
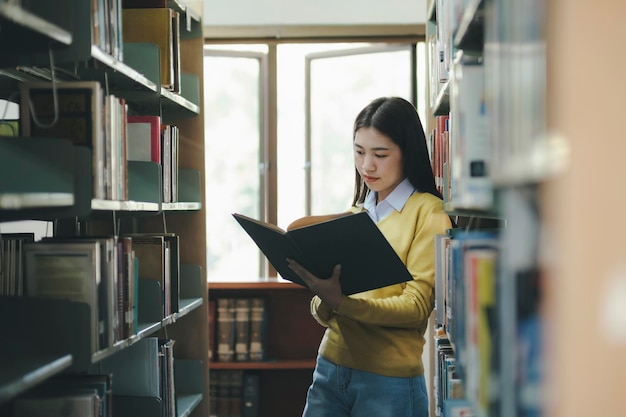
pixel 337 391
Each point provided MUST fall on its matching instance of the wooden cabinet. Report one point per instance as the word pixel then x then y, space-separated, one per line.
pixel 291 340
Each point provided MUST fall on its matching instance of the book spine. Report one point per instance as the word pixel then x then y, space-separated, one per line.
pixel 257 329
pixel 225 329
pixel 250 395
pixel 242 327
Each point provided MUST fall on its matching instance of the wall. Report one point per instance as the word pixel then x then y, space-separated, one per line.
pixel 307 12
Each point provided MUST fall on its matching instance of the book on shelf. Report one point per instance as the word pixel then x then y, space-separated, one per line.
pixel 457 407
pixel 153 256
pixel 169 143
pixel 462 244
pixel 212 311
pixel 76 114
pixel 144 138
pixel 69 271
pixel 172 265
pixel 242 329
pixel 234 393
pixel 213 383
pixel 470 148
pixel 225 330
pixel 166 366
pixel 321 246
pixel 12 265
pixel 441 278
pixel 222 393
pixel 156 25
pixel 227 393
pixel 250 396
pixel 64 384
pixel 480 323
pixel 258 325
pixel 82 403
pixel 116 150
pixel 127 286
pixel 108 293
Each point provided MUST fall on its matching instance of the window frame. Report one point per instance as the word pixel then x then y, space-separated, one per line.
pixel 388 36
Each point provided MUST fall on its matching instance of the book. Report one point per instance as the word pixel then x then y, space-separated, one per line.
pixel 352 241
pixel 152 254
pixel 168 394
pixel 108 288
pixel 234 392
pixel 213 383
pixel 242 329
pixel 12 265
pixel 212 311
pixel 258 316
pixel 225 329
pixel 250 395
pixel 83 403
pixel 63 384
pixel 222 394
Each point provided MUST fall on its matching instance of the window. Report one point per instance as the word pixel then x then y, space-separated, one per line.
pixel 319 88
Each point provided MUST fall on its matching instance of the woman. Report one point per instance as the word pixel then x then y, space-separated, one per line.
pixel 370 358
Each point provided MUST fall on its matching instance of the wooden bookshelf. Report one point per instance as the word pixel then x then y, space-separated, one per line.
pixel 53 337
pixel 291 341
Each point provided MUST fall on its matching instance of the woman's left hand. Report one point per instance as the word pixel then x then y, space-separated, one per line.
pixel 329 290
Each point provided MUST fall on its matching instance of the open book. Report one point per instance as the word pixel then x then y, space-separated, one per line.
pixel 367 259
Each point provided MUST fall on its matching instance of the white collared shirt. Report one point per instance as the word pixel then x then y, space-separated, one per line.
pixel 394 201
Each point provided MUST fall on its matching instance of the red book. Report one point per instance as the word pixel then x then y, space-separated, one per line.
pixel 144 138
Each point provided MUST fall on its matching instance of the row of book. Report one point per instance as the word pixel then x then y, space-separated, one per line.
pixel 488 322
pixel 84 114
pixel 140 374
pixel 109 274
pixel 234 393
pixel 459 144
pixel 466 316
pixel 116 22
pixel 237 328
pixel 440 42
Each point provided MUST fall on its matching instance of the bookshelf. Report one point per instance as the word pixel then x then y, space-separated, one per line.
pixel 51 180
pixel 492 156
pixel 291 340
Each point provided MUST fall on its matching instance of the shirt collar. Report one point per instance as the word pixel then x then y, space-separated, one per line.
pixel 396 199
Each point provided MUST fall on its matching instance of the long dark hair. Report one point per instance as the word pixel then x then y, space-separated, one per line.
pixel 397 119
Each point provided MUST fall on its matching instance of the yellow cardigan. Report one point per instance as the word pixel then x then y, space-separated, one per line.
pixel 382 331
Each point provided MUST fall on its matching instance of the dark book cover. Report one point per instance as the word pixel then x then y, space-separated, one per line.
pixel 367 259
pixel 250 395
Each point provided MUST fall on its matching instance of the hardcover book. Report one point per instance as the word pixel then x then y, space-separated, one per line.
pixel 225 329
pixel 367 259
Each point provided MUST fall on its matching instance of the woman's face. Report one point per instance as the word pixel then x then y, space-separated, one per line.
pixel 378 160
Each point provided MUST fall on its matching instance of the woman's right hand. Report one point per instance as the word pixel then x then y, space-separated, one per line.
pixel 328 290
